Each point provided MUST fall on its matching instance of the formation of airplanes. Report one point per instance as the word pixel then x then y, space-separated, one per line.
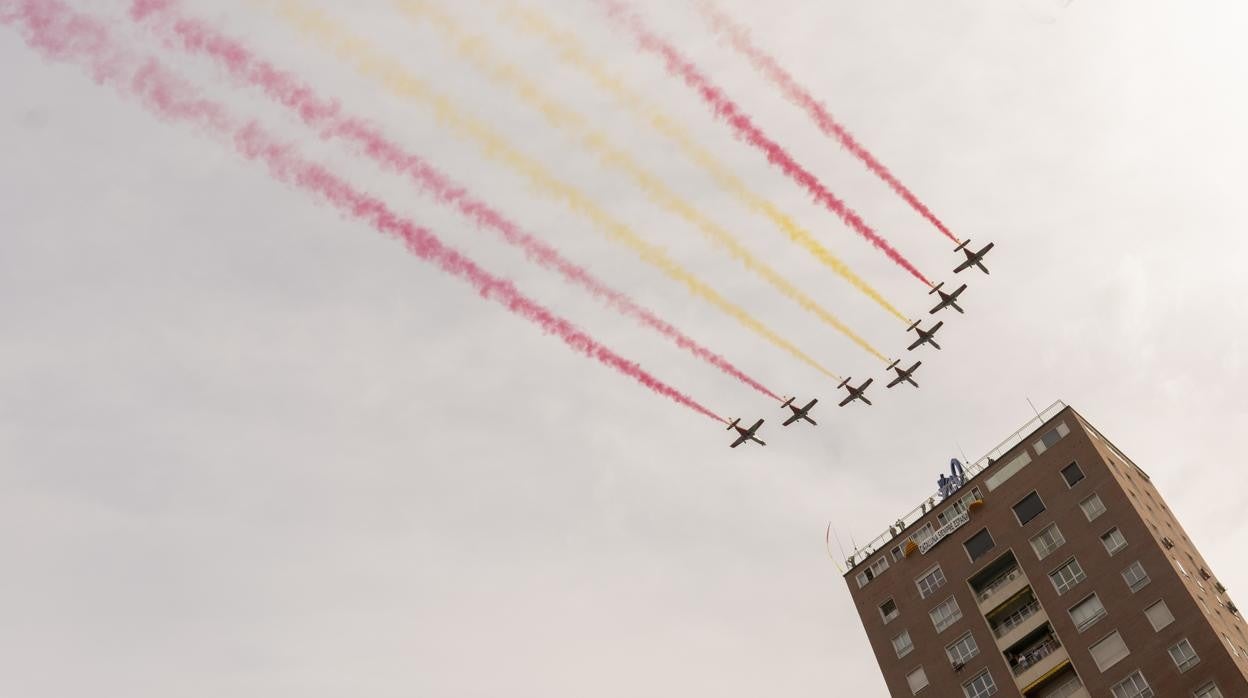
pixel 903 375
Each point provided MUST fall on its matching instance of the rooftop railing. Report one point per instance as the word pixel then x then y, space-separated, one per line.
pixel 900 525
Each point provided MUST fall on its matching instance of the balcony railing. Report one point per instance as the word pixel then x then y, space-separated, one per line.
pixel 1034 655
pixel 1016 618
pixel 997 582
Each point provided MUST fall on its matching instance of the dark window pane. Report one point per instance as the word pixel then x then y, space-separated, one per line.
pixel 1029 508
pixel 1050 438
pixel 979 544
pixel 1072 473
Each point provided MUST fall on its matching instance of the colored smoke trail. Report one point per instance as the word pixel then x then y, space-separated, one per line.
pixel 63 35
pixel 475 50
pixel 404 84
pixel 573 52
pixel 323 115
pixel 726 109
pixel 739 38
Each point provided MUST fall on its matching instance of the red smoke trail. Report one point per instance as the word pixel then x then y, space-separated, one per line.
pixel 727 110
pixel 740 40
pixel 325 116
pixel 61 34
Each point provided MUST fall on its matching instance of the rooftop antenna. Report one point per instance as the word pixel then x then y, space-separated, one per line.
pixel 839 547
pixel 964 458
pixel 1033 408
pixel 827 545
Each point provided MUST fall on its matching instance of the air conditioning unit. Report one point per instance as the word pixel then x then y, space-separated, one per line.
pixel 1204 573
pixel 1167 542
pixel 1221 589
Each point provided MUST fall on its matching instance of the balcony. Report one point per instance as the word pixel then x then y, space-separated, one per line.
pixel 1063 683
pixel 1017 620
pixel 1001 587
pixel 1036 657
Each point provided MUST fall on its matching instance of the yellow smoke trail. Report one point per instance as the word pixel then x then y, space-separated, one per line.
pixel 399 81
pixel 572 52
pixel 476 50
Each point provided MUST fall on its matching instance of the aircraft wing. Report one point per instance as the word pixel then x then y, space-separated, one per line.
pixel 939 305
pixel 846 401
pixel 790 420
pixel 936 327
pixel 964 266
pixel 740 440
pixel 864 385
pixel 810 404
pixel 985 250
pixel 915 344
pixel 894 381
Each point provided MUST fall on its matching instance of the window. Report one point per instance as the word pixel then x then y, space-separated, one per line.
pixel 1007 471
pixel 960 506
pixel 1109 651
pixel 924 533
pixel 979 544
pixel 902 644
pixel 946 614
pixel 1087 612
pixel 1051 437
pixel 917 680
pixel 1184 655
pixel 930 582
pixel 888 610
pixel 1231 645
pixel 1092 507
pixel 897 553
pixel 1067 576
pixel 961 651
pixel 980 686
pixel 1134 686
pixel 1072 474
pixel 1135 576
pixel 872 571
pixel 1209 690
pixel 1159 615
pixel 1028 508
pixel 1113 541
pixel 1047 541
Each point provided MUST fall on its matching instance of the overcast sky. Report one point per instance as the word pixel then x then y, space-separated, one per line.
pixel 249 447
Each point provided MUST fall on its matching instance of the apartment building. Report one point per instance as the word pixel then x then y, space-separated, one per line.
pixel 1054 568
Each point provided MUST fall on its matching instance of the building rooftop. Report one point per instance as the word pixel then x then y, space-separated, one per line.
pixel 903 523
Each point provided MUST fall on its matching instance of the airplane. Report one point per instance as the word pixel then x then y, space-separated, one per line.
pixel 745 434
pixel 972 258
pixel 798 412
pixel 925 336
pixel 855 393
pixel 903 374
pixel 947 299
